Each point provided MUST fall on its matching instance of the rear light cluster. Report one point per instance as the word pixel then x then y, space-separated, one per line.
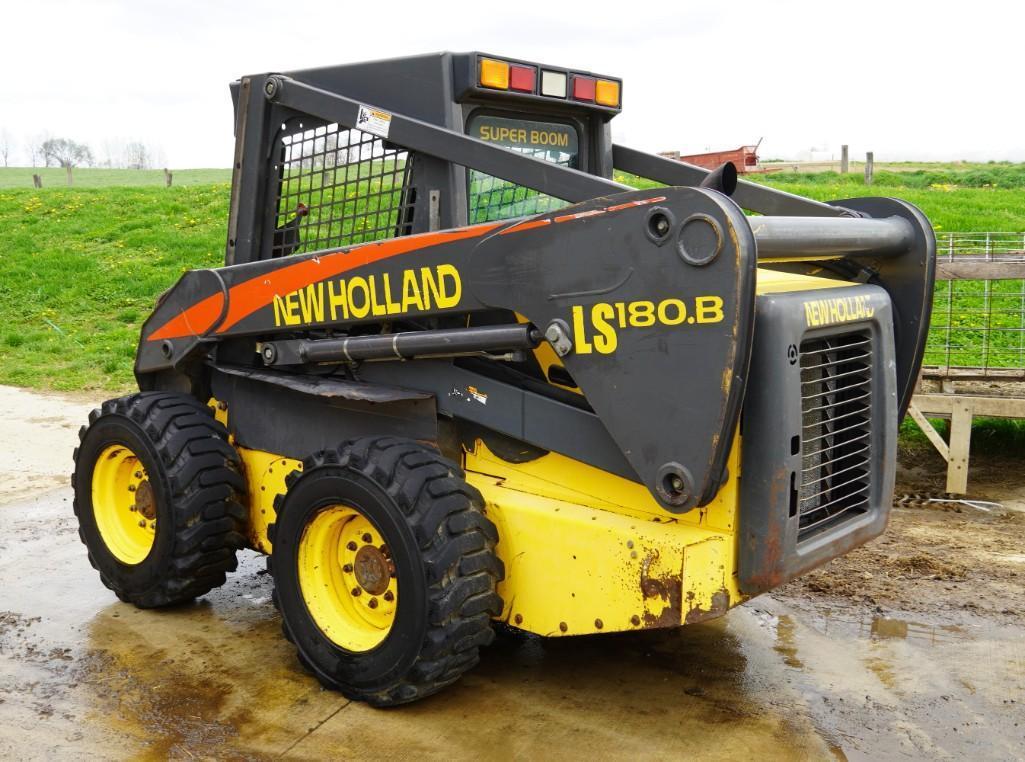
pixel 523 78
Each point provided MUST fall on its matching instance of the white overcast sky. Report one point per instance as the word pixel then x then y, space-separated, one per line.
pixel 908 80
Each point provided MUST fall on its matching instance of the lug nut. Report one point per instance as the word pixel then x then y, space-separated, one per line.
pixel 351 546
pixel 389 596
pixel 367 538
pixel 372 603
pixel 347 568
pixel 138 474
pixel 142 524
pixel 132 508
pixel 131 488
pixel 153 525
pixel 635 620
pixel 356 591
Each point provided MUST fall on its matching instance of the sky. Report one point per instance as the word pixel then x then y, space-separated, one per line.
pixel 908 80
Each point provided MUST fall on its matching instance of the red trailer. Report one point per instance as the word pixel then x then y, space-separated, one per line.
pixel 744 158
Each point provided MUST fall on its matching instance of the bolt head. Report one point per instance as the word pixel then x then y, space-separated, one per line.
pixel 352 545
pixel 389 596
pixel 356 592
pixel 347 568
pixel 372 603
pixel 635 620
pixel 143 523
pixel 367 537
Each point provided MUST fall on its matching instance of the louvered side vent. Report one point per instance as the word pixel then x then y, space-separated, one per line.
pixel 836 442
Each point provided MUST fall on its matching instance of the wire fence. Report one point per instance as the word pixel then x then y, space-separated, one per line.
pixel 978 320
pixel 981 246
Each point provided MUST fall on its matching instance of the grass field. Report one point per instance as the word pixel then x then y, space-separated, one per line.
pixel 80 268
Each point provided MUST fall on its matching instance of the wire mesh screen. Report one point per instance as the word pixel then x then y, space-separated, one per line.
pixel 978 317
pixel 492 198
pixel 339 187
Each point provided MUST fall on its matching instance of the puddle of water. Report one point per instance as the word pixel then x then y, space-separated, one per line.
pixel 888 684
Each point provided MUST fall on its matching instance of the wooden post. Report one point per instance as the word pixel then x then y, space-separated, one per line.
pixel 844 163
pixel 69 175
pixel 869 167
pixel 960 444
pixel 168 176
pixel 37 181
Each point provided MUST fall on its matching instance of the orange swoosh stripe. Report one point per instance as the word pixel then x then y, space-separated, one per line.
pixel 251 295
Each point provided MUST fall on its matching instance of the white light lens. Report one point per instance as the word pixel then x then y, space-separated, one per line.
pixel 553 83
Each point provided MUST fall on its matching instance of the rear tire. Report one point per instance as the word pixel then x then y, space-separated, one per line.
pixel 156 486
pixel 424 627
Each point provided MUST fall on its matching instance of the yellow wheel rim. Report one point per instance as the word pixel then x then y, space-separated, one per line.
pixel 123 505
pixel 347 578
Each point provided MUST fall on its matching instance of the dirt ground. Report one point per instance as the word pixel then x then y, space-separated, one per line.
pixel 911 647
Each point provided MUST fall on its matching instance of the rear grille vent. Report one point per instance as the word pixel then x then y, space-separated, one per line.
pixel 836 442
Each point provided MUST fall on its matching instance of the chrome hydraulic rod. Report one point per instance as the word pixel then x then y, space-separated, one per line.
pixel 783 237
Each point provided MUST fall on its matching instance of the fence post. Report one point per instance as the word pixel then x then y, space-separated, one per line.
pixel 869 167
pixel 37 181
pixel 168 176
pixel 844 163
pixel 68 168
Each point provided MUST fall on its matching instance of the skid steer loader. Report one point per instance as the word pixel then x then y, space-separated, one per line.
pixel 452 374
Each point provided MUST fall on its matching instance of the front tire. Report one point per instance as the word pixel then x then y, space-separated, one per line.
pixel 385 570
pixel 156 485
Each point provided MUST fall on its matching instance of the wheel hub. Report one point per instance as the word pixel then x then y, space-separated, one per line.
pixel 372 569
pixel 144 502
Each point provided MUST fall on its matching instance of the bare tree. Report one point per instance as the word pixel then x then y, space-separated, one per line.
pixel 5 145
pixel 34 147
pixel 137 155
pixel 66 153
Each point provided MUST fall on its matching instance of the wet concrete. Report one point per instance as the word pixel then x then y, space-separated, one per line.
pixel 83 674
pixel 805 677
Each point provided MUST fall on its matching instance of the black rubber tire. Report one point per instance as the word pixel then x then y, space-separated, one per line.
pixel 443 548
pixel 196 481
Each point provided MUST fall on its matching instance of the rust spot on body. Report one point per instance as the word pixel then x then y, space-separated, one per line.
pixel 668 587
pixel 720 605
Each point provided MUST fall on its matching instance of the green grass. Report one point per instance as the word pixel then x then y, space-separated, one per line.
pixel 88 177
pixel 80 268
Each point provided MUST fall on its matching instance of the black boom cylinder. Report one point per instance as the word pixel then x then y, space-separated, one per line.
pixel 403 346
